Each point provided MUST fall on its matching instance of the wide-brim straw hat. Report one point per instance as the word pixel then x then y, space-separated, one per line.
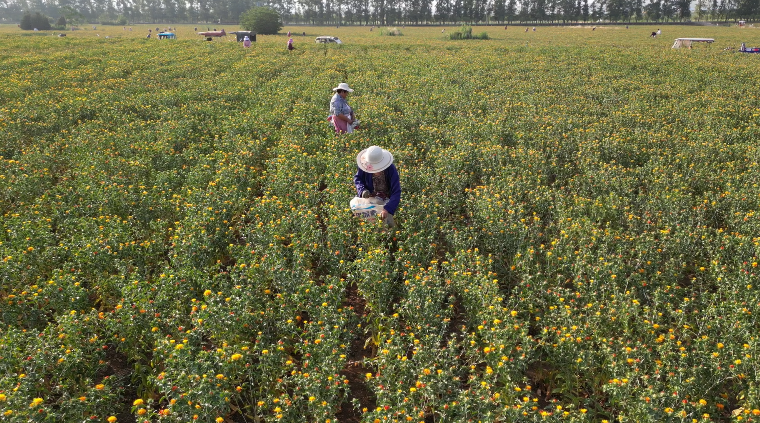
pixel 343 86
pixel 374 159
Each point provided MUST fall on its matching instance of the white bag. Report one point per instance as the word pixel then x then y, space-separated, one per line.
pixel 367 208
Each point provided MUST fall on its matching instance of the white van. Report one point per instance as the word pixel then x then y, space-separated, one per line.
pixel 327 39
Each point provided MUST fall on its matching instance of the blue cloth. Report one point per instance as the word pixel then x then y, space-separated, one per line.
pixel 339 106
pixel 363 182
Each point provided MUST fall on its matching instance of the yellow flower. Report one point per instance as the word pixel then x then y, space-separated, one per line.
pixel 219 420
pixel 236 357
pixel 141 411
pixel 138 402
pixel 207 292
pixel 3 397
pixel 112 419
pixel 99 386
pixel 35 402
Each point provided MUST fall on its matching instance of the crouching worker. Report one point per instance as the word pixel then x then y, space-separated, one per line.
pixel 341 114
pixel 378 190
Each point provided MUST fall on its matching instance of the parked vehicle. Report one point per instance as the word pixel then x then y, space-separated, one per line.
pixel 324 39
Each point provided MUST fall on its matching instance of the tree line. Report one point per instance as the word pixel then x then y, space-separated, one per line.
pixel 385 12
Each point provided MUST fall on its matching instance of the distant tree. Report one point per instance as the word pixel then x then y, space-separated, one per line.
pixel 38 20
pixel 73 17
pixel 500 10
pixel 585 11
pixel 26 21
pixel 565 10
pixel 638 9
pixel 511 13
pixel 668 9
pixel 524 10
pixel 654 10
pixel 442 10
pixel 747 8
pixel 683 9
pixel 615 9
pixel 61 23
pixel 722 10
pixel 262 20
pixel 714 9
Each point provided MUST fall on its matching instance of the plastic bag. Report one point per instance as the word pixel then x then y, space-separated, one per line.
pixel 367 208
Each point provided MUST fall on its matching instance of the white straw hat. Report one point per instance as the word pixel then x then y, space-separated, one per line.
pixel 374 159
pixel 343 86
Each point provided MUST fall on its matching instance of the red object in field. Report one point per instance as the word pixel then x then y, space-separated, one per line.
pixel 213 33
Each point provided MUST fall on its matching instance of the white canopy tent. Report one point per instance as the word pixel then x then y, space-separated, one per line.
pixel 686 42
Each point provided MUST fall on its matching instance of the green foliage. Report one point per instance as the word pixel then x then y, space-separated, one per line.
pixel 391 32
pixel 61 23
pixel 262 20
pixel 37 20
pixel 465 33
pixel 112 19
pixel 73 16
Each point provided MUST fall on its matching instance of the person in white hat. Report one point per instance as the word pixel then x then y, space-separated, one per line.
pixel 377 177
pixel 341 114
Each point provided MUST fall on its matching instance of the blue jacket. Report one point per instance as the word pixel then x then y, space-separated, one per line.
pixel 363 182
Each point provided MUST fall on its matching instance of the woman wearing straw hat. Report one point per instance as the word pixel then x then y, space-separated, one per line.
pixel 377 177
pixel 341 114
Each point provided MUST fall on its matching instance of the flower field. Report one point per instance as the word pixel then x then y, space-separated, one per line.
pixel 578 232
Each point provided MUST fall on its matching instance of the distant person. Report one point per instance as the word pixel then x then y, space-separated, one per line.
pixel 654 34
pixel 148 35
pixel 341 114
pixel 593 29
pixel 304 34
pixel 505 27
pixel 526 29
pixel 658 31
pixel 290 45
pixel 288 34
pixel 534 29
pixel 246 41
